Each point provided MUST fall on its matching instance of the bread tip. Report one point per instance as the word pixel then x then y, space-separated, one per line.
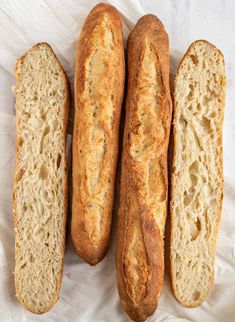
pixel 138 312
pixel 149 19
pixel 92 255
pixel 104 6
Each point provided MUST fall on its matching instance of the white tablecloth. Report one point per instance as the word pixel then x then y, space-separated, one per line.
pixel 89 294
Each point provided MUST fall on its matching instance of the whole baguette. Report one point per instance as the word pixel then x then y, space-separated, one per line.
pixel 40 182
pixel 197 178
pixel 98 86
pixel 143 195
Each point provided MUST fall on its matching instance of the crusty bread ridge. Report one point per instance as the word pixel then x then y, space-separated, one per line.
pixel 98 86
pixel 197 178
pixel 40 181
pixel 143 194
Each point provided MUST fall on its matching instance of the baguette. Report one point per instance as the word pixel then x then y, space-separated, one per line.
pixel 40 182
pixel 197 178
pixel 143 194
pixel 98 86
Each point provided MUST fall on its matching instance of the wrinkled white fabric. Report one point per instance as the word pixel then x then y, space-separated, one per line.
pixel 89 294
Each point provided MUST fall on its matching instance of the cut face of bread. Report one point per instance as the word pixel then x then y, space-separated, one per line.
pixel 197 181
pixel 40 187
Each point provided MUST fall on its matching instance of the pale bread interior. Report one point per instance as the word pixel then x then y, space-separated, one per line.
pixel 197 173
pixel 40 178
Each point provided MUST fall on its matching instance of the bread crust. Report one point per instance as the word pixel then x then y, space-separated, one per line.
pixel 20 61
pixel 93 250
pixel 173 177
pixel 135 214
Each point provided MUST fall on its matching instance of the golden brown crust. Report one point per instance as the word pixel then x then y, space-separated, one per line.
pixel 141 220
pixel 20 61
pixel 100 35
pixel 173 177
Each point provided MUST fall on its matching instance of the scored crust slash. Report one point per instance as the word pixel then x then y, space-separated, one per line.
pixel 98 89
pixel 144 187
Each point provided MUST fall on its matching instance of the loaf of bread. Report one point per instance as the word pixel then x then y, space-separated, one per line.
pixel 98 86
pixel 143 194
pixel 40 182
pixel 197 179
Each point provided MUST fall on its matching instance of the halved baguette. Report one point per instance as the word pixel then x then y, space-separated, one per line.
pixel 197 178
pixel 40 183
pixel 143 195
pixel 98 86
